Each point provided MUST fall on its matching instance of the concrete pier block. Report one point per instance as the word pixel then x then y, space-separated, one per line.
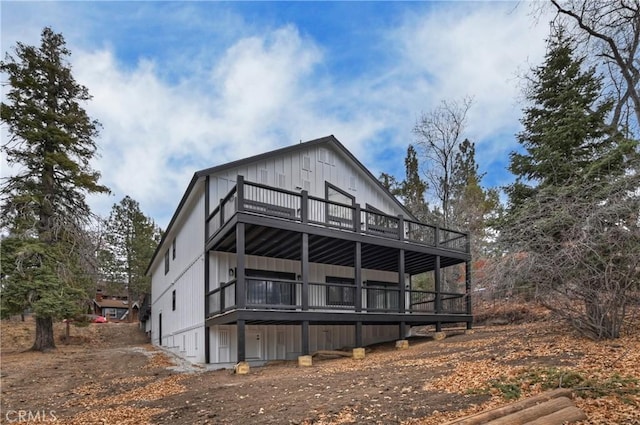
pixel 439 335
pixel 242 368
pixel 358 353
pixel 305 361
pixel 402 344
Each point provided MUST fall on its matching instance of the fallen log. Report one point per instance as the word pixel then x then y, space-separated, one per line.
pixel 566 415
pixel 534 412
pixel 489 415
pixel 332 353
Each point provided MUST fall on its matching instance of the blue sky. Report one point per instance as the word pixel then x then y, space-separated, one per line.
pixel 181 86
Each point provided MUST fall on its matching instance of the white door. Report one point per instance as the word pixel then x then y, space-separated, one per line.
pixel 253 345
pixel 223 346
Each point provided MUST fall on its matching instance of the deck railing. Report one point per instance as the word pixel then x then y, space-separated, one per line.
pixel 287 295
pixel 270 201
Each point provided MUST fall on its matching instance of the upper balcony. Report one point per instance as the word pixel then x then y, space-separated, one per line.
pixel 254 198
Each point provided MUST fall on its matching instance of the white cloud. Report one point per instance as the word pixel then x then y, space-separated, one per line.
pixel 476 50
pixel 258 88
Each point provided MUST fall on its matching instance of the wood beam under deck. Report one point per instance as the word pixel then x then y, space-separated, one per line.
pixel 332 318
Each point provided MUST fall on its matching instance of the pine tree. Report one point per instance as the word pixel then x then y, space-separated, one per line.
pixel 472 206
pixel 413 188
pixel 572 224
pixel 130 240
pixel 44 210
pixel 565 133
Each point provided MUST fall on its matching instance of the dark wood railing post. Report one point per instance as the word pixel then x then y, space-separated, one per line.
pixel 401 227
pixel 437 236
pixel 357 219
pixel 240 193
pixel 221 210
pixel 304 206
pixel 222 298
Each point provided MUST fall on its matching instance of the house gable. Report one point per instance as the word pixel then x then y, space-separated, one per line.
pixel 310 165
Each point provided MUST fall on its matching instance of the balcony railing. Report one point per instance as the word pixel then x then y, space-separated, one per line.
pixel 301 207
pixel 287 295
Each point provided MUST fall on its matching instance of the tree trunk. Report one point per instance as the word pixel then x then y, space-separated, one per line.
pixel 44 335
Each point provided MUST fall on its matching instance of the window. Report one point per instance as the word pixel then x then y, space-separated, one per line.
pixel 352 183
pixel 339 215
pixel 166 262
pixel 173 249
pixel 382 296
pixel 282 181
pixel 306 163
pixel 341 295
pixel 173 300
pixel 266 287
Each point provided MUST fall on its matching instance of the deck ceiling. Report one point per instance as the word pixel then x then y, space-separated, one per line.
pixel 278 243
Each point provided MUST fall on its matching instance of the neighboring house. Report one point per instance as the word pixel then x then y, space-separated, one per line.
pixel 115 308
pixel 292 251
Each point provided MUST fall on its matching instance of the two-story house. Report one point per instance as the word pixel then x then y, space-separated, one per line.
pixel 295 250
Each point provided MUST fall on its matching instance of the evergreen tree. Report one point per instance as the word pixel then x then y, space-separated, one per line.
pixel 130 240
pixel 43 204
pixel 572 223
pixel 390 183
pixel 565 133
pixel 472 206
pixel 413 188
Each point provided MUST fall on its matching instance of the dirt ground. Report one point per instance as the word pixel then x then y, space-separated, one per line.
pixel 110 375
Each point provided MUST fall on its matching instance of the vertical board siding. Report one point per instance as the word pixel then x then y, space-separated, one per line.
pixel 183 329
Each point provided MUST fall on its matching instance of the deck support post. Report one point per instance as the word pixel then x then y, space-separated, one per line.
pixel 437 286
pixel 241 341
pixel 207 354
pixel 358 276
pixel 467 282
pixel 304 330
pixel 401 282
pixel 241 292
pixel 358 334
pixel 402 328
pixel 305 271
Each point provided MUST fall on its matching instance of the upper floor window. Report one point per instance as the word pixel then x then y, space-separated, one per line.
pixel 173 300
pixel 339 211
pixel 173 249
pixel 166 262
